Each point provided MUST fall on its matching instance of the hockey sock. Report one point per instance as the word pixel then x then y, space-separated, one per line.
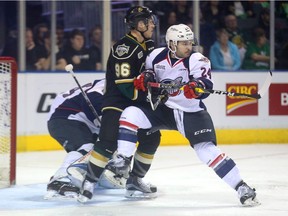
pixel 96 165
pixel 223 166
pixel 142 163
pixel 127 138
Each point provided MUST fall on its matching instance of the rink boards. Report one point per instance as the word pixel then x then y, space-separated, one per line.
pixel 237 120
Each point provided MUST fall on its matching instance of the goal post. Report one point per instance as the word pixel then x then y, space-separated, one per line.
pixel 8 113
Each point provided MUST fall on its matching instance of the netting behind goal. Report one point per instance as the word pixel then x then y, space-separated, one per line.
pixel 8 89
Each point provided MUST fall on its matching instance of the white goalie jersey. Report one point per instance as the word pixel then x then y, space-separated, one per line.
pixel 196 66
pixel 72 105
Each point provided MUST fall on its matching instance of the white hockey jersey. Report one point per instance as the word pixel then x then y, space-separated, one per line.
pixel 72 105
pixel 195 66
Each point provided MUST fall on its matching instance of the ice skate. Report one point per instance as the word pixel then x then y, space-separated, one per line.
pixel 117 171
pixel 137 188
pixel 247 195
pixel 86 192
pixel 61 188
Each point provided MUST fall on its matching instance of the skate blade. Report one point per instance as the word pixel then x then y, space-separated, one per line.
pixel 51 194
pixel 54 195
pixel 108 180
pixel 82 199
pixel 251 202
pixel 139 195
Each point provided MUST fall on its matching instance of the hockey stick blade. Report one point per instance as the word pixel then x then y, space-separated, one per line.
pixel 266 85
pixel 179 86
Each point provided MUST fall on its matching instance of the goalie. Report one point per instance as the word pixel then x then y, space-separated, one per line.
pixel 72 123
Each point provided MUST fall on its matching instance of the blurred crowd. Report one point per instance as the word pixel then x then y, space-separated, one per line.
pixel 234 35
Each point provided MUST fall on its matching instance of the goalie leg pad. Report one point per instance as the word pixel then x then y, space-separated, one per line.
pixel 61 188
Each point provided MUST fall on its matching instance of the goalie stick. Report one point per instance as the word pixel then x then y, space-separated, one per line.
pixel 258 95
pixel 69 68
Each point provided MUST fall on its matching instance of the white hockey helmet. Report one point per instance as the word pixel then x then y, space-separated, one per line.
pixel 179 32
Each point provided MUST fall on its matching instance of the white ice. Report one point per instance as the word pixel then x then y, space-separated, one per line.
pixel 185 186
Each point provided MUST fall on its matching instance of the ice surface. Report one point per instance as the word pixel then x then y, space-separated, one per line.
pixel 185 186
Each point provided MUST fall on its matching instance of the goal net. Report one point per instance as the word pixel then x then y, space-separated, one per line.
pixel 8 84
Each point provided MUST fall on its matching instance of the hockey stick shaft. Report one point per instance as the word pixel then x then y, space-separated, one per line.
pixel 258 95
pixel 85 96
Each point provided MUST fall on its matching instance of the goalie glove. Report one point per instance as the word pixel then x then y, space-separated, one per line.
pixel 189 89
pixel 141 81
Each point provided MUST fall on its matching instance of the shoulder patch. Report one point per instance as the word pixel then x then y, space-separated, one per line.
pixel 122 49
pixel 204 59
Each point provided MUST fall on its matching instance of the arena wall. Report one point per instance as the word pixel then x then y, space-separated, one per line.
pixel 237 120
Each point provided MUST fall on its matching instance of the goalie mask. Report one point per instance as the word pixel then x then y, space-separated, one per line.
pixel 177 33
pixel 139 13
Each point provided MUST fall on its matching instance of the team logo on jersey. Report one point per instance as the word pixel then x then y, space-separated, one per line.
pixel 122 49
pixel 204 59
pixel 177 81
pixel 161 67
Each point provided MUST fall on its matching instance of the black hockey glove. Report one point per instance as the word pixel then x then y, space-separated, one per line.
pixel 141 81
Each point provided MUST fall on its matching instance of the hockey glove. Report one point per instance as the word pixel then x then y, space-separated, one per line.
pixel 141 81
pixel 189 89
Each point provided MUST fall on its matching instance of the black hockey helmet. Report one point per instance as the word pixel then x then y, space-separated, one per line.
pixel 138 13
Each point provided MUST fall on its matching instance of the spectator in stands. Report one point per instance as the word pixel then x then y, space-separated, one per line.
pixel 224 55
pixel 95 36
pixel 39 31
pixel 241 9
pixel 235 34
pixel 281 9
pixel 60 36
pixel 258 52
pixel 170 19
pixel 213 12
pixel 264 21
pixel 182 11
pixel 76 53
pixel 35 54
pixel 48 48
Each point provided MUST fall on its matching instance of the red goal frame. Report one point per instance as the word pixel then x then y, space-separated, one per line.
pixel 13 132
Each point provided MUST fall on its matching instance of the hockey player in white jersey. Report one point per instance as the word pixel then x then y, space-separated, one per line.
pixel 183 110
pixel 72 123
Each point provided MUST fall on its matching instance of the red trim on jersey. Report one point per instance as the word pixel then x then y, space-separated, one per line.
pixel 127 124
pixel 68 108
pixel 219 158
pixel 179 61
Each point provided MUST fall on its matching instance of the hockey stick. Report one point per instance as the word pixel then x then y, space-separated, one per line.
pixel 69 68
pixel 258 95
pixel 158 101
